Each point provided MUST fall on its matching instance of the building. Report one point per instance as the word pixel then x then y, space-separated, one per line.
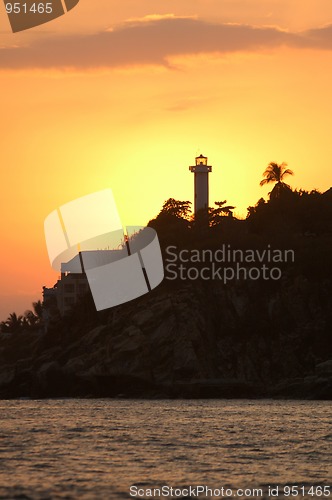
pixel 201 169
pixel 69 288
pixel 73 282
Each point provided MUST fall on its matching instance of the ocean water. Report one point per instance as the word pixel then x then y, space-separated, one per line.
pixel 98 449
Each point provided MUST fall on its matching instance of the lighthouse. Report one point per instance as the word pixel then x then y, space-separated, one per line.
pixel 201 169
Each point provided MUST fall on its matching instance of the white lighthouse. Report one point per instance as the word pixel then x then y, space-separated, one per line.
pixel 201 170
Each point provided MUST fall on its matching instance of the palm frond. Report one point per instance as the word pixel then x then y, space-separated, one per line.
pixel 264 181
pixel 288 171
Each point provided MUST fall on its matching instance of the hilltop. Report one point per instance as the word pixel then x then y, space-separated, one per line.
pixel 196 337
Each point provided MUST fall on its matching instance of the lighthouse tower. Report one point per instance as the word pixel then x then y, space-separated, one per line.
pixel 201 170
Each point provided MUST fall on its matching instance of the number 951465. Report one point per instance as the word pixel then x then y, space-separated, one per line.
pixel 24 8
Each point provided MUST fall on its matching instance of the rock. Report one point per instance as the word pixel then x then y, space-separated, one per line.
pixel 75 366
pixel 143 317
pixel 324 368
pixel 93 336
pixel 200 340
pixel 7 375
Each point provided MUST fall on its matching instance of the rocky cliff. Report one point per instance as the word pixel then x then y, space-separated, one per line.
pixel 188 339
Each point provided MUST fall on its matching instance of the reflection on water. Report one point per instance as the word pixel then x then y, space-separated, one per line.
pixel 97 449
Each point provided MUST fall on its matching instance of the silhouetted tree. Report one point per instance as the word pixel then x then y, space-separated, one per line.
pixel 275 172
pixel 258 207
pixel 173 221
pixel 13 323
pixel 216 215
pixel 30 320
pixel 33 318
pixel 180 209
pixel 38 309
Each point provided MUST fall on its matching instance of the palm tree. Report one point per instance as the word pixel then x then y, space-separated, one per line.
pixel 38 309
pixel 13 323
pixel 276 172
pixel 34 318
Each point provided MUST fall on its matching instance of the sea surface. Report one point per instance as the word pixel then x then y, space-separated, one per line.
pixel 99 448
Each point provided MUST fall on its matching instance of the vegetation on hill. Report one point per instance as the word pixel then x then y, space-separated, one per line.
pixel 297 219
pixel 241 338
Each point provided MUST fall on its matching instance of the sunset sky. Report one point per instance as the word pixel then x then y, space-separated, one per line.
pixel 126 94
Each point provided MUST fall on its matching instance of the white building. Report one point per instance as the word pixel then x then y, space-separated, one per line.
pixel 201 170
pixel 73 282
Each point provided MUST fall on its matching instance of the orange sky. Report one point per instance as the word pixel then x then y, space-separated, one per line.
pixel 125 94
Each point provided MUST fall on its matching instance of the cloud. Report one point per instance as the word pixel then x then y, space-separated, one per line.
pixel 155 17
pixel 154 40
pixel 320 38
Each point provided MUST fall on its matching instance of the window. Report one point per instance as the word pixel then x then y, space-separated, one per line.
pixel 69 301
